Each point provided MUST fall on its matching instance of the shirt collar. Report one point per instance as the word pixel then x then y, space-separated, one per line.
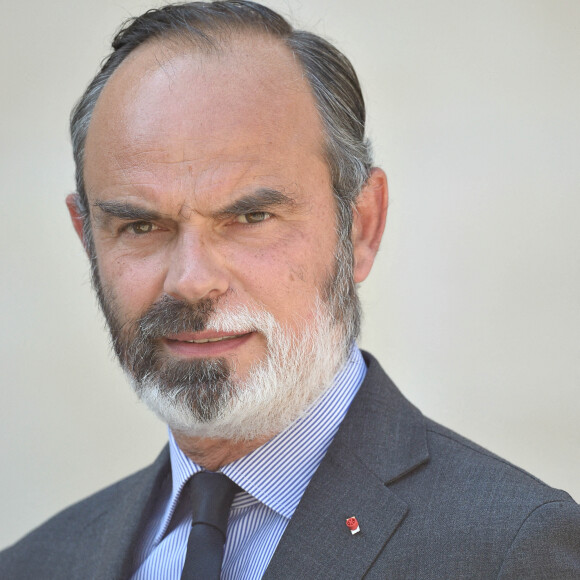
pixel 278 472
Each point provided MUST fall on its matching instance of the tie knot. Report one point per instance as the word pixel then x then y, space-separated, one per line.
pixel 211 498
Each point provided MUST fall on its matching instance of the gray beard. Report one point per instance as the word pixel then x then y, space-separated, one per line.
pixel 204 397
pixel 201 385
pixel 297 369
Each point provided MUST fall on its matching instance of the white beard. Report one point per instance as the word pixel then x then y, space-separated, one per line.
pixel 298 368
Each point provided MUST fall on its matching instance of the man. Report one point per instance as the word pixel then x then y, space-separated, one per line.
pixel 228 204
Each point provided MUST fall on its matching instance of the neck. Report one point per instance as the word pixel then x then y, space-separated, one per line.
pixel 212 454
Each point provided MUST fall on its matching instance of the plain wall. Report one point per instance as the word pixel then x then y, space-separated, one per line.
pixel 473 306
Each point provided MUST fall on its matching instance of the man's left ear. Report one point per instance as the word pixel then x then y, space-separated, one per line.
pixel 369 217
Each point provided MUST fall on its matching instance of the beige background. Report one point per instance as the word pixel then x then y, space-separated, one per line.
pixel 474 303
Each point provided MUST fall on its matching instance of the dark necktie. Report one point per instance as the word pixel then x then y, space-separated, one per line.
pixel 211 497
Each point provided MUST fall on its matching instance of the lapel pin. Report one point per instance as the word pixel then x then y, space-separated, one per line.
pixel 352 525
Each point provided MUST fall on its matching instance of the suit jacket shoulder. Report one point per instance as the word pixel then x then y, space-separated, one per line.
pixel 475 515
pixel 92 539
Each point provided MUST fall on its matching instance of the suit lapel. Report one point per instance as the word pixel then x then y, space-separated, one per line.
pixel 381 439
pixel 317 543
pixel 126 521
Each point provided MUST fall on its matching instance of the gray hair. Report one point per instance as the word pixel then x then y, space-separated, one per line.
pixel 331 77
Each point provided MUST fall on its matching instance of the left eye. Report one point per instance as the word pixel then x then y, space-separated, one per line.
pixel 141 227
pixel 254 217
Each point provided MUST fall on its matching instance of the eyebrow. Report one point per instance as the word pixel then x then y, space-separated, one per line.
pixel 126 211
pixel 261 200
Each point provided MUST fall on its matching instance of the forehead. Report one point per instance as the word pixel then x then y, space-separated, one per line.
pixel 172 104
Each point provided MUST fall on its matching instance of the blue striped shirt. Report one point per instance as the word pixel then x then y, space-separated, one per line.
pixel 273 479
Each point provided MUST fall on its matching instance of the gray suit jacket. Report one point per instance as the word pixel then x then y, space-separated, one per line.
pixel 430 504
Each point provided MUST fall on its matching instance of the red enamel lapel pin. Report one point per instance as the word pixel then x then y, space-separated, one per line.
pixel 352 525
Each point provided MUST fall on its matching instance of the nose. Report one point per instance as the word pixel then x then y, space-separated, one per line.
pixel 196 269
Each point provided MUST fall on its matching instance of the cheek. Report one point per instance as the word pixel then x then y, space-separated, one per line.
pixel 287 276
pixel 134 284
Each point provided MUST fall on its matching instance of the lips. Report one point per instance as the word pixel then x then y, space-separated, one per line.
pixel 205 344
pixel 218 339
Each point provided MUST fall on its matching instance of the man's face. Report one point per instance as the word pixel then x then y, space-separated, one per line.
pixel 208 186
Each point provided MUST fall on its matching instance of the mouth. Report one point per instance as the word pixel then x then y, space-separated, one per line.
pixel 218 339
pixel 205 344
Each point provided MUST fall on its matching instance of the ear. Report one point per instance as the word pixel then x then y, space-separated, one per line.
pixel 370 214
pixel 75 215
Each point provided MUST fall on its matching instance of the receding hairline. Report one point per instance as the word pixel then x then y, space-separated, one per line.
pixel 160 52
pixel 221 43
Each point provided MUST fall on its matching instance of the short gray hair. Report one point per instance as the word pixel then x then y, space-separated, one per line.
pixel 330 74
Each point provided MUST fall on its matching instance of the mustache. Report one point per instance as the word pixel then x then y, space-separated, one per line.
pixel 172 316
